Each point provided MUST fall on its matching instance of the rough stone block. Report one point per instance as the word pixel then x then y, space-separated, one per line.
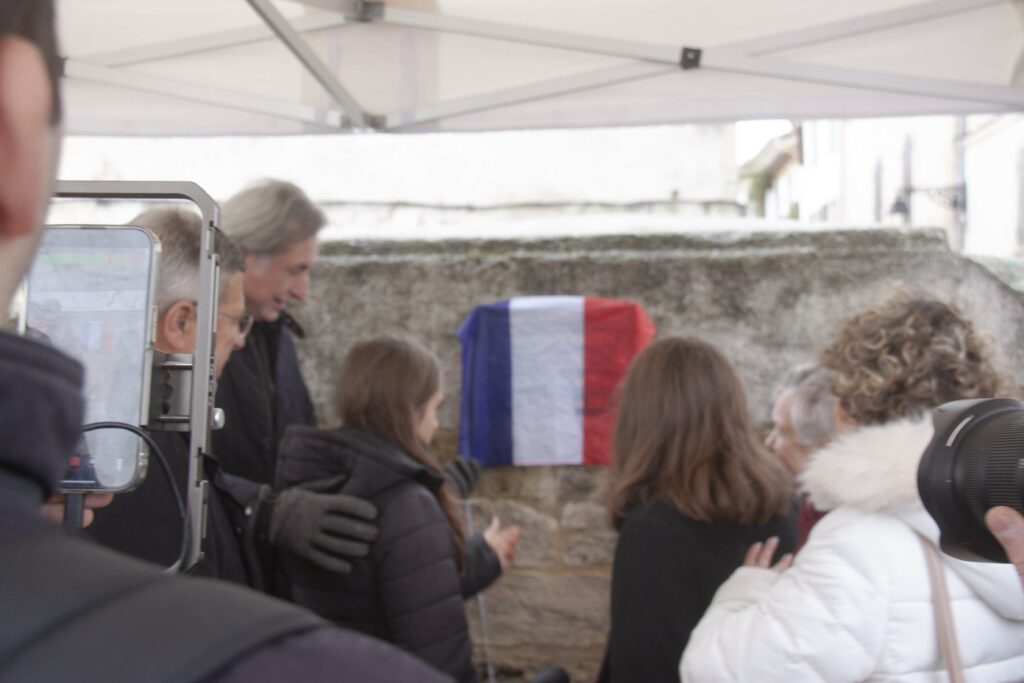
pixel 541 486
pixel 536 619
pixel 538 539
pixel 583 482
pixel 586 538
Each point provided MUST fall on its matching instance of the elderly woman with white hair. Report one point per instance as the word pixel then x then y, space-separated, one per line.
pixel 857 603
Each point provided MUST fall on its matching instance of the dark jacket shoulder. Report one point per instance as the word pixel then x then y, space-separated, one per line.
pixel 261 392
pixel 328 655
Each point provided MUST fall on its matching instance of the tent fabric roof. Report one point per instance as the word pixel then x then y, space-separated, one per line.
pixel 217 67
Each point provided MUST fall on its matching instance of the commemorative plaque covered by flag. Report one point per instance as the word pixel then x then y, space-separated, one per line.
pixel 539 376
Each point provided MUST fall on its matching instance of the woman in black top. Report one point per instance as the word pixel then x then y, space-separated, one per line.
pixel 692 489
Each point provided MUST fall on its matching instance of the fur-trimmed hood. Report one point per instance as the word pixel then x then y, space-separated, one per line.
pixel 873 468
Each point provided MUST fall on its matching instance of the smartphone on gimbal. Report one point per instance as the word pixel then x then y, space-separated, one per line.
pixel 91 294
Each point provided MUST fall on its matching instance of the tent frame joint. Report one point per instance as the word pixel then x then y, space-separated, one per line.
pixel 375 122
pixel 689 58
pixel 366 11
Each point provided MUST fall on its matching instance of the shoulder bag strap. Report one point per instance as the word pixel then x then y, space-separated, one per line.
pixel 943 613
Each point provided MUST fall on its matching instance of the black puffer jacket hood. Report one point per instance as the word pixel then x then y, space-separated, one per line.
pixel 407 591
pixel 368 465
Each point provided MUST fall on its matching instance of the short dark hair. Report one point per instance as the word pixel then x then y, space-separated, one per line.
pixel 34 20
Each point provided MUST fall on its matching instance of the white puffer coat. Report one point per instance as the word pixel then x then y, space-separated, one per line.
pixel 856 605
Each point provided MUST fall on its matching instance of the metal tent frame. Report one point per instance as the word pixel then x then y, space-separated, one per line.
pixel 757 57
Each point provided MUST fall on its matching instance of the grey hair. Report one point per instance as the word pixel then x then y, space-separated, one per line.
pixel 270 216
pixel 180 236
pixel 812 403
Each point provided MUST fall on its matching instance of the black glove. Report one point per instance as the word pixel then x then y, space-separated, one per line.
pixel 328 529
pixel 462 474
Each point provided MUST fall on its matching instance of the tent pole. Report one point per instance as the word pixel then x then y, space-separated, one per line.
pixel 997 96
pixel 76 69
pixel 648 52
pixel 217 40
pixel 357 117
pixel 527 93
pixel 847 28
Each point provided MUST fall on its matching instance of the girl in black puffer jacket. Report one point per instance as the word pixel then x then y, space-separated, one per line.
pixel 407 590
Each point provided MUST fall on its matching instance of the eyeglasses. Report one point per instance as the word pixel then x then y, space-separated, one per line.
pixel 243 321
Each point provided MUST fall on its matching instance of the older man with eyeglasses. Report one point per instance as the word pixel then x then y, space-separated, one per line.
pixel 146 523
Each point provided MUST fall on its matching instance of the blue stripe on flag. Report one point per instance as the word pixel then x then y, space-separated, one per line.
pixel 485 424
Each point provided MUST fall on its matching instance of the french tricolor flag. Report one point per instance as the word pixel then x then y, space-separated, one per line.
pixel 539 375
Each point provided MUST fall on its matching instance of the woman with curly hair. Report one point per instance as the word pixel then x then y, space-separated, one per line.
pixel 692 488
pixel 856 605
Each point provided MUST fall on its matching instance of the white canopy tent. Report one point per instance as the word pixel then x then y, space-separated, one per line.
pixel 217 67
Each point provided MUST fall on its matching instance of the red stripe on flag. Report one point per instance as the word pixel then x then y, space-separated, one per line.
pixel 613 332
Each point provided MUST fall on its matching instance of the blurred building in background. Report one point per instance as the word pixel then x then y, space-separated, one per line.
pixel 962 174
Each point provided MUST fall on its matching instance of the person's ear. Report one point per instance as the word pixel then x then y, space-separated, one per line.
pixel 176 329
pixel 25 109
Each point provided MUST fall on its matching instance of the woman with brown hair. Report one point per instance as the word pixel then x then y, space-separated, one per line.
pixel 692 490
pixel 408 589
pixel 857 604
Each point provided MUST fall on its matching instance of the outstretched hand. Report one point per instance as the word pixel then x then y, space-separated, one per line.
pixel 760 555
pixel 503 541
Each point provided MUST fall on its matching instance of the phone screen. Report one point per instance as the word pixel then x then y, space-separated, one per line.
pixel 90 294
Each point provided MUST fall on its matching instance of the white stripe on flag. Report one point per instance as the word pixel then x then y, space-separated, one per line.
pixel 547 380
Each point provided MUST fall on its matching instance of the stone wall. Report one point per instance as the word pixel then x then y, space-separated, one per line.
pixel 768 300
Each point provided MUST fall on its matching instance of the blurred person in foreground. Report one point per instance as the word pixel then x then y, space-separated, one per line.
pixel 71 609
pixel 857 603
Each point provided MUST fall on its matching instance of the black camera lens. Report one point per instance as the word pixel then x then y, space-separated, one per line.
pixel 974 462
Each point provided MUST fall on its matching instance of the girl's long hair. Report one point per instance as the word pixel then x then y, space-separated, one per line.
pixel 383 388
pixel 684 432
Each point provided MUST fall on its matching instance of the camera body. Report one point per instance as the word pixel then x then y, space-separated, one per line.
pixel 974 462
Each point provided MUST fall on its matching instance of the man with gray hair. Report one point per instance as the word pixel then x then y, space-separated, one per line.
pixel 177 291
pixel 262 391
pixel 803 414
